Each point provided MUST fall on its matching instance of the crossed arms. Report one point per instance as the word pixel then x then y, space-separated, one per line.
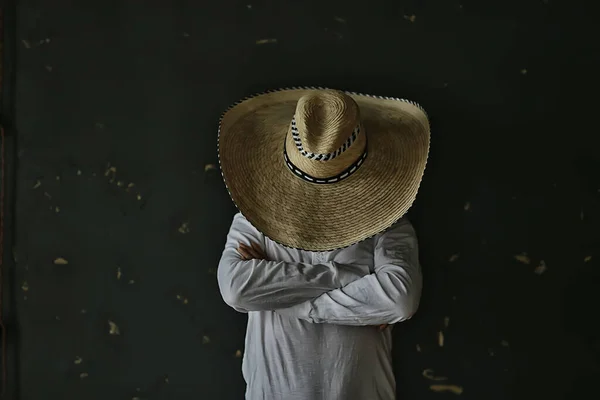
pixel 328 292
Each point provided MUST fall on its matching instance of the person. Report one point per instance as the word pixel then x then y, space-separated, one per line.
pixel 321 255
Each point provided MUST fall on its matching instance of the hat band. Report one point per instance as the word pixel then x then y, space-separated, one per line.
pixel 322 157
pixel 339 177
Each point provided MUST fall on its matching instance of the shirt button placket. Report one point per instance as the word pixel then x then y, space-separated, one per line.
pixel 319 257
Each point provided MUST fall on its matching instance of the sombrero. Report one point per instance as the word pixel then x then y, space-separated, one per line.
pixel 319 169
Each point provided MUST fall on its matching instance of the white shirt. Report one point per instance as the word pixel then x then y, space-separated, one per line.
pixel 313 316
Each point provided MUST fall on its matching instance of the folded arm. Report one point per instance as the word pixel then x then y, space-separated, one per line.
pixel 391 294
pixel 261 285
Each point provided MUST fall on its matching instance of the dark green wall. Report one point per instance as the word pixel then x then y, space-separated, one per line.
pixel 511 88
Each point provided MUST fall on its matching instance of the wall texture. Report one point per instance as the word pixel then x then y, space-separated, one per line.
pixel 120 223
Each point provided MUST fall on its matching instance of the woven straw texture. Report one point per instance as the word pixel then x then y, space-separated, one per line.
pixel 321 217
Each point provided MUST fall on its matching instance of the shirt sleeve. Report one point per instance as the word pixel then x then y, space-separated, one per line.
pixel 261 285
pixel 388 295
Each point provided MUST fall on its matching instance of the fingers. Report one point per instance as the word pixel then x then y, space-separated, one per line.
pixel 252 252
pixel 243 250
pixel 382 327
pixel 247 252
pixel 258 251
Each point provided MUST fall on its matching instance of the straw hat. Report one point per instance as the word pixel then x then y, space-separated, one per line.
pixel 319 169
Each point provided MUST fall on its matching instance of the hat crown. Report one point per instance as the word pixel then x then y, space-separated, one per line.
pixel 325 142
pixel 325 120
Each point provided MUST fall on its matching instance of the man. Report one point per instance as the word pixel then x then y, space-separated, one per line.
pixel 321 256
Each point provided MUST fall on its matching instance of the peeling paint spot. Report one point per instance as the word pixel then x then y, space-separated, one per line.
pixel 454 257
pixel 184 228
pixel 110 170
pixel 411 18
pixel 205 339
pixel 441 339
pixel 540 269
pixel 504 343
pixel 113 328
pixel 524 71
pixel 429 374
pixel 340 20
pixel 83 375
pixel 238 353
pixel 25 286
pixel 523 258
pixel 184 300
pixel 78 360
pixel 447 388
pixel 446 322
pixel 60 261
pixel 418 348
pixel 26 44
pixel 266 41
pixel 467 206
pixel 587 259
pixel 119 274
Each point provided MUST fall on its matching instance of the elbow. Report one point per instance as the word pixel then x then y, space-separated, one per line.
pixel 231 291
pixel 405 307
pixel 408 298
pixel 232 299
pixel 228 293
pixel 235 299
pixel 237 290
pixel 406 311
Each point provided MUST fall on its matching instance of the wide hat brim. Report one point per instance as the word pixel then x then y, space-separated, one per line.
pixel 321 217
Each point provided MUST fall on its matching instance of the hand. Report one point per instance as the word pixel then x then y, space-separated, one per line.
pixel 252 252
pixel 382 327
